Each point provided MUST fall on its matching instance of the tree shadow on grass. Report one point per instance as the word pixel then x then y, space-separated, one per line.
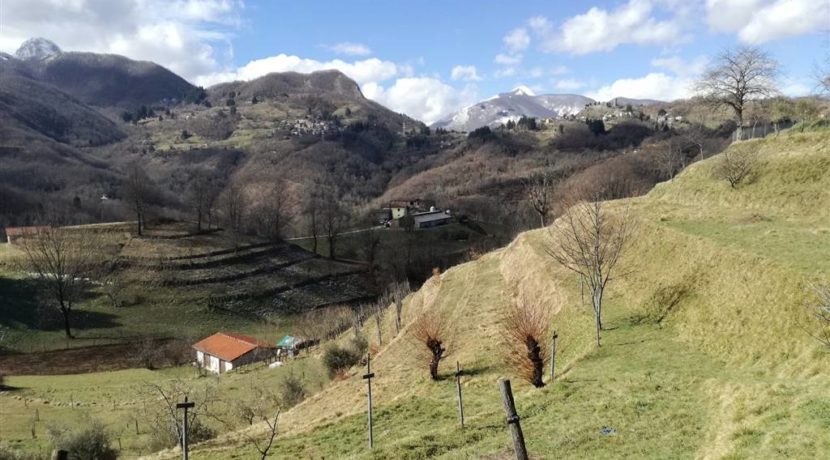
pixel 21 307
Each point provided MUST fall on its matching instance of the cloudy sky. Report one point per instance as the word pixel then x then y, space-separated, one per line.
pixel 428 58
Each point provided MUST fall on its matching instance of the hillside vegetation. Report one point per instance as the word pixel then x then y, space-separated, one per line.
pixel 705 353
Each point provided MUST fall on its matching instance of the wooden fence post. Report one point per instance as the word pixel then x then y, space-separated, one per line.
pixel 368 376
pixel 513 420
pixel 553 356
pixel 458 390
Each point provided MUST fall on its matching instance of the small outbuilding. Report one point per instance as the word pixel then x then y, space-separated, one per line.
pixel 224 351
pixel 15 233
pixel 431 219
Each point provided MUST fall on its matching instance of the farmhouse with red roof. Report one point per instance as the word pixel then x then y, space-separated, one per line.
pixel 224 351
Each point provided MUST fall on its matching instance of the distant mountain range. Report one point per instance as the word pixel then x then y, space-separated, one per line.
pixel 521 102
pixel 103 80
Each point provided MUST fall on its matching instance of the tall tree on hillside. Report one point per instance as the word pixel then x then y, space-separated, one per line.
pixel 333 217
pixel 312 218
pixel 233 207
pixel 61 261
pixel 139 193
pixel 201 195
pixel 273 209
pixel 738 76
pixel 589 241
pixel 539 192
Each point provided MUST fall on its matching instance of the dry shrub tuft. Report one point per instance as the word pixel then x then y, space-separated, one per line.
pixel 526 327
pixel 432 330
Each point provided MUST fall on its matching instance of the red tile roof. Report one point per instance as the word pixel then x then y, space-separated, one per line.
pixel 228 346
pixel 21 231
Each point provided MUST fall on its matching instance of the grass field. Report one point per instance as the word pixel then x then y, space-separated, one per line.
pixel 704 353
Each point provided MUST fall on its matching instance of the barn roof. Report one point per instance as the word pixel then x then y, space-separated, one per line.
pixel 22 231
pixel 229 346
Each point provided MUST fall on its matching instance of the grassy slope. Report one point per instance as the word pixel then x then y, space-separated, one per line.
pixel 704 356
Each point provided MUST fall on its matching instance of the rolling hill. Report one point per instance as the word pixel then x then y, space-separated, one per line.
pixel 705 351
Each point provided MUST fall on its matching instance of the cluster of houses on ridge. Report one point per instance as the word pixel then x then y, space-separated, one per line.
pixel 414 214
pixel 225 351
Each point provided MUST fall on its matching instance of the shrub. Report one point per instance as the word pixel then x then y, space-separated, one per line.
pixel 432 332
pixel 526 325
pixel 735 167
pixel 292 391
pixel 338 359
pixel 89 443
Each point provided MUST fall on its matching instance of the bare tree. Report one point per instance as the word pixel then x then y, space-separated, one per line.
pixel 738 76
pixel 432 331
pixel 312 218
pixel 139 193
pixel 273 209
pixel 526 324
pixel 539 192
pixel 399 291
pixel 333 218
pixel 234 205
pixel 670 160
pixel 263 405
pixel 201 196
pixel 589 241
pixel 62 262
pixel 164 419
pixel 734 167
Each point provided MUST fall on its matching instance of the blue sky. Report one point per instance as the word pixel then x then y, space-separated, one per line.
pixel 429 58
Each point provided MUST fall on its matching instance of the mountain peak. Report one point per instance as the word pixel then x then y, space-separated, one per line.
pixel 37 49
pixel 522 90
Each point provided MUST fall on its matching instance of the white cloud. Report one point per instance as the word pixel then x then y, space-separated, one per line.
pixel 759 21
pixel 603 30
pixel 425 98
pixel 365 71
pixel 351 49
pixel 508 59
pixel 465 73
pixel 568 84
pixel 517 40
pixel 560 70
pixel 680 66
pixel 184 35
pixel 655 85
pixel 505 72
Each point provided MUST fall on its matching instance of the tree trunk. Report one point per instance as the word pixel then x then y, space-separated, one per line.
pixel 138 218
pixel 597 301
pixel 65 312
pixel 534 354
pixel 437 353
pixel 542 218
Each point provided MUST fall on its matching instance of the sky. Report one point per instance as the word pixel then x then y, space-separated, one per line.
pixel 428 58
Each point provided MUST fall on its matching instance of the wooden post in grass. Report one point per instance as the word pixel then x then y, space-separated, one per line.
pixel 458 390
pixel 60 455
pixel 368 376
pixel 185 405
pixel 513 420
pixel 553 356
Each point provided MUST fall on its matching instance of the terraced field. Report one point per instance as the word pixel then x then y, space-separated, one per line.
pixel 211 280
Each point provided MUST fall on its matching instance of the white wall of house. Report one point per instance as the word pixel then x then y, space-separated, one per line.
pixel 200 358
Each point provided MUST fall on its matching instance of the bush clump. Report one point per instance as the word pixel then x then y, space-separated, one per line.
pixel 89 443
pixel 337 359
pixel 292 391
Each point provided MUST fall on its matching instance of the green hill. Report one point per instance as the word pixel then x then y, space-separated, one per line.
pixel 705 353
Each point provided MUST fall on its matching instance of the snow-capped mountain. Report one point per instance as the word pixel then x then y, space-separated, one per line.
pixel 37 49
pixel 511 106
